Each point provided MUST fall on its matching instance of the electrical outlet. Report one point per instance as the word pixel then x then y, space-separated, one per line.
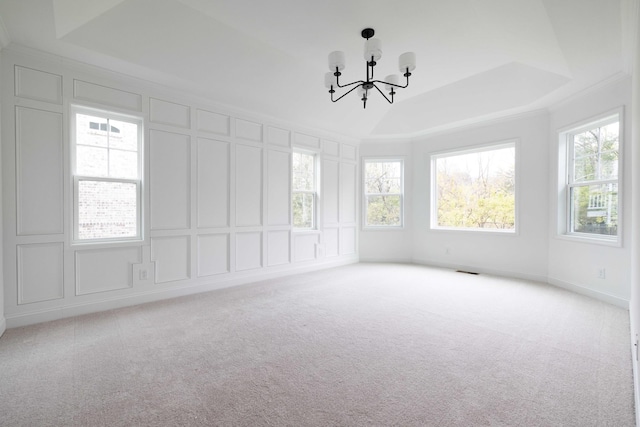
pixel 144 274
pixel 447 250
pixel 602 273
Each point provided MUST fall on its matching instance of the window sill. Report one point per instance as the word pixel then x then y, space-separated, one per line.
pixel 487 231
pixel 579 238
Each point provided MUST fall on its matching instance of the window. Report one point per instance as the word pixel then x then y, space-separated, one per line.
pixel 475 189
pixel 304 190
pixel 591 186
pixel 107 171
pixel 383 193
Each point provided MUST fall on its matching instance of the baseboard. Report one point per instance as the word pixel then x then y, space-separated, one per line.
pixel 3 325
pixel 386 260
pixel 70 310
pixel 602 296
pixel 483 270
pixel 634 362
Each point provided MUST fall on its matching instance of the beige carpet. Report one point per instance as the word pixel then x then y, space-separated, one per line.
pixel 367 344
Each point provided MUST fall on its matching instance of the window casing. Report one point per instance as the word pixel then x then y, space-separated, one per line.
pixel 475 189
pixel 304 190
pixel 383 194
pixel 107 175
pixel 590 167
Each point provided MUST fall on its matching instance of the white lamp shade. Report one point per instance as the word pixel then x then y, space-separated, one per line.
pixel 392 78
pixel 372 47
pixel 330 80
pixel 407 60
pixel 336 60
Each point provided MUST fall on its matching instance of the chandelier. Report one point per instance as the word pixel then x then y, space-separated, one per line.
pixel 372 53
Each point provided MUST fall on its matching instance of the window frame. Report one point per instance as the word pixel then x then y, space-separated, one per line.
pixel 566 179
pixel 365 203
pixel 433 199
pixel 77 178
pixel 314 192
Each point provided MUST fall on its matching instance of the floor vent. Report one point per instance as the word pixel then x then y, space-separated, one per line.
pixel 467 272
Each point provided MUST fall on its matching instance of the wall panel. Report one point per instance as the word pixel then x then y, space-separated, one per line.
pixel 170 160
pixel 331 239
pixel 331 148
pixel 39 172
pixel 304 246
pixel 278 247
pixel 213 254
pixel 304 140
pixel 347 192
pixel 248 186
pixel 207 121
pixel 251 131
pixel 172 258
pixel 248 251
pixel 40 272
pixel 213 183
pixel 347 240
pixel 330 191
pixel 278 184
pixel 107 95
pixel 105 269
pixel 169 113
pixel 38 85
pixel 277 136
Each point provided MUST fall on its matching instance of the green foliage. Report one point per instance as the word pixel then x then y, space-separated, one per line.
pixel 477 196
pixel 383 188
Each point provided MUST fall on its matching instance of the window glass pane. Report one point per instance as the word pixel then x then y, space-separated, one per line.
pixel 476 190
pixel 383 210
pixel 595 153
pixel 107 210
pixel 92 161
pixel 383 177
pixel 88 131
pixel 303 210
pixel 123 135
pixel 595 209
pixel 303 172
pixel 123 164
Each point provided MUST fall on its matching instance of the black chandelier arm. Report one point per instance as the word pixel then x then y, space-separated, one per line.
pixel 338 74
pixel 344 94
pixel 390 101
pixel 393 84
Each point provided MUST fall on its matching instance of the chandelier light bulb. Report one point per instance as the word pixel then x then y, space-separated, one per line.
pixel 393 79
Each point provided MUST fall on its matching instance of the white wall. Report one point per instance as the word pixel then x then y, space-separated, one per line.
pixel 391 244
pixel 3 322
pixel 216 201
pixel 522 254
pixel 574 265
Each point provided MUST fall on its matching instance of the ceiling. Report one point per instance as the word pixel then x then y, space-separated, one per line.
pixel 476 59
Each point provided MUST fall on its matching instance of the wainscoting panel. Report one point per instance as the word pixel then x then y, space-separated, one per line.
pixel 207 121
pixel 331 148
pixel 169 113
pixel 330 193
pixel 40 272
pixel 278 247
pixel 170 174
pixel 39 172
pixel 248 251
pixel 349 152
pixel 331 239
pixel 251 131
pixel 347 240
pixel 172 258
pixel 278 184
pixel 303 140
pixel 107 95
pixel 103 270
pixel 277 136
pixel 304 246
pixel 213 254
pixel 38 85
pixel 347 192
pixel 213 183
pixel 248 185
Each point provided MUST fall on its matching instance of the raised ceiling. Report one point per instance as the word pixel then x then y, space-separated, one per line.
pixel 477 59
